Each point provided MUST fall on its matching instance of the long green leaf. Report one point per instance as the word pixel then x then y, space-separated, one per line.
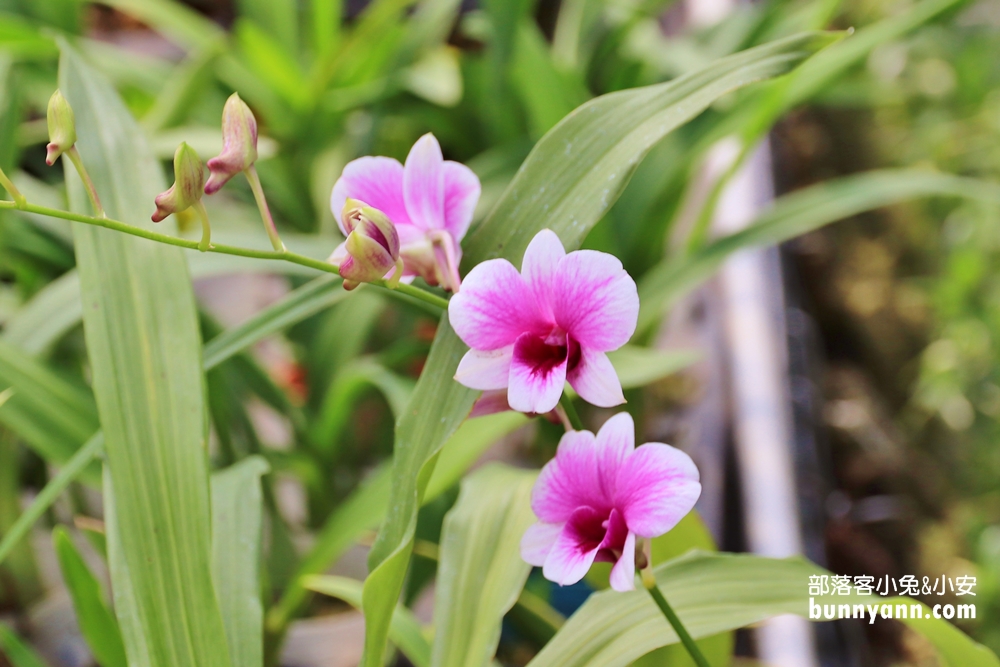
pixel 145 352
pixel 579 168
pixel 713 593
pixel 798 213
pixel 404 629
pixel 567 183
pixel 480 572
pixel 97 622
pixel 237 506
pixel 17 651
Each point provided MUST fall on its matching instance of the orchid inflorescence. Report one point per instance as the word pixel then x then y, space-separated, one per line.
pixel 529 332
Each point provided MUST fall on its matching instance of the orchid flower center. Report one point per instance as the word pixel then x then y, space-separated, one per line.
pixel 551 351
pixel 597 530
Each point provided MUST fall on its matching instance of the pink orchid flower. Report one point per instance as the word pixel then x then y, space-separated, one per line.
pixel 430 200
pixel 598 494
pixel 533 331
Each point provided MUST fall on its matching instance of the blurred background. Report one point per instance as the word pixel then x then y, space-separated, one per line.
pixel 841 394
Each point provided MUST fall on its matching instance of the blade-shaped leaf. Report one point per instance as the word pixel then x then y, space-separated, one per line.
pixel 237 506
pixel 404 629
pixel 97 622
pixel 570 179
pixel 17 650
pixel 145 352
pixel 798 213
pixel 480 572
pixel 712 593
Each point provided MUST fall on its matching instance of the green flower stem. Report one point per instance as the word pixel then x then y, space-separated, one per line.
pixel 9 186
pixel 206 229
pixel 74 157
pixel 649 581
pixel 265 212
pixel 282 255
pixel 566 403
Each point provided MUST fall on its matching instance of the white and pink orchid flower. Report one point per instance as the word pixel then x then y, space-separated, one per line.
pixel 598 495
pixel 531 332
pixel 430 200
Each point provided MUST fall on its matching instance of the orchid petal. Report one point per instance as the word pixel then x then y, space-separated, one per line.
pixel 584 471
pixel 537 375
pixel 537 542
pixel 540 266
pixel 657 486
pixel 494 307
pixel 490 402
pixel 574 550
pixel 623 573
pixel 423 184
pixel 483 370
pixel 461 194
pixel 596 380
pixel 376 181
pixel 594 300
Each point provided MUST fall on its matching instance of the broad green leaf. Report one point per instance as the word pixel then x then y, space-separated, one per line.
pixel 325 23
pixel 49 413
pixel 567 183
pixel 480 572
pixel 145 352
pixel 68 473
pixel 404 629
pixel 579 168
pixel 237 506
pixel 954 647
pixel 712 593
pixel 17 650
pixel 795 214
pixel 296 306
pixel 96 620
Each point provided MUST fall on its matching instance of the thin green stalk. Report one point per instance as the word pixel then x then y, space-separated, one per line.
pixel 567 405
pixel 206 229
pixel 649 581
pixel 283 255
pixel 74 157
pixel 265 212
pixel 9 186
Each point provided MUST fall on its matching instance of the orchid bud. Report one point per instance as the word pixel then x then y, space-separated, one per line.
pixel 372 246
pixel 189 181
pixel 62 127
pixel 239 144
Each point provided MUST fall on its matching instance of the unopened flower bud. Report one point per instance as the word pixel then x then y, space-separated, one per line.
pixel 189 182
pixel 372 246
pixel 62 127
pixel 239 144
